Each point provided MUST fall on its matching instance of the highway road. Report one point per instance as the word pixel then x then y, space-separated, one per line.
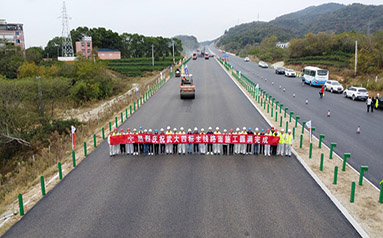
pixel 346 115
pixel 192 195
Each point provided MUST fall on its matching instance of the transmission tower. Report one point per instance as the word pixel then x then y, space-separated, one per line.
pixel 67 47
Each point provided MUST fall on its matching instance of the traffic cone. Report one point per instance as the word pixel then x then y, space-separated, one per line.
pixel 284 89
pixel 307 101
pixel 280 86
pixel 293 95
pixel 358 130
pixel 328 113
pixel 272 83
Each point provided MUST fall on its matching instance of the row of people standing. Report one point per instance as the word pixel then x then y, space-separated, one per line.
pixel 283 148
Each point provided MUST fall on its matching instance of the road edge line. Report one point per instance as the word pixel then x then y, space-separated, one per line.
pixel 335 201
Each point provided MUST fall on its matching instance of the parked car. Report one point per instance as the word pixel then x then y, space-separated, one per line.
pixel 280 70
pixel 263 64
pixel 380 103
pixel 333 86
pixel 247 59
pixel 290 73
pixel 356 93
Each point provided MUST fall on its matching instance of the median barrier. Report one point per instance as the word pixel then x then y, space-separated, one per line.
pixel 42 185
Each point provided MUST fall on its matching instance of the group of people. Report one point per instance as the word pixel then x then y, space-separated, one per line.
pixel 372 102
pixel 283 148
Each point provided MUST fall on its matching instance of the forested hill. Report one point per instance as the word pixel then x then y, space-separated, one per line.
pixel 189 43
pixel 330 17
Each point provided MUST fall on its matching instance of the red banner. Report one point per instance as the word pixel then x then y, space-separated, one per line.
pixel 194 139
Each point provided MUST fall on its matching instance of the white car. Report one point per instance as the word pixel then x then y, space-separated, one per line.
pixel 247 59
pixel 263 64
pixel 333 86
pixel 290 73
pixel 356 93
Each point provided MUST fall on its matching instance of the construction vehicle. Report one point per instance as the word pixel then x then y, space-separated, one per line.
pixel 194 56
pixel 187 87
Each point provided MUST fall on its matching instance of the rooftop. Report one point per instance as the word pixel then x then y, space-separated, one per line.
pixel 107 50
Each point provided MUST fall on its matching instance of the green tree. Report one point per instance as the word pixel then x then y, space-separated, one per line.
pixel 11 57
pixel 53 48
pixel 34 54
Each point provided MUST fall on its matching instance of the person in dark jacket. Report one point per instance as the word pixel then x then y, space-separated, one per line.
pixel 231 146
pixel 248 146
pixel 162 132
pixel 210 146
pixel 196 146
pixel 262 147
pixel 156 146
pixel 224 146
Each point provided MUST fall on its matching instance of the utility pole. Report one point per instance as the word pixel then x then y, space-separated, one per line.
pixel 356 57
pixel 152 54
pixel 174 61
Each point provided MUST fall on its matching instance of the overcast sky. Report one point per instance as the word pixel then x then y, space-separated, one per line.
pixel 205 19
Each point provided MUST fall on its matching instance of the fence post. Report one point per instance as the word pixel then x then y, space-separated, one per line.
pixel 115 118
pixel 286 108
pixel 362 170
pixel 122 117
pixel 272 112
pixel 332 149
pixel 294 133
pixel 110 126
pixel 21 204
pixel 85 148
pixel 300 144
pixel 280 108
pixel 335 175
pixel 130 110
pixel 276 105
pixel 296 120
pixel 42 185
pixel 345 156
pixel 303 127
pixel 268 109
pixel 291 114
pixel 103 133
pixel 352 199
pixel 126 114
pixel 381 193
pixel 73 159
pixel 321 162
pixel 280 123
pixel 60 171
pixel 321 136
pixel 134 106
pixel 287 126
pixel 94 140
pixel 311 150
pixel 276 115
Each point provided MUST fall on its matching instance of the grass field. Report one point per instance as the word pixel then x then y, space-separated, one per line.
pixel 133 67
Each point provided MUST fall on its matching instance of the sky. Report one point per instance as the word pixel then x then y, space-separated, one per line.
pixel 205 19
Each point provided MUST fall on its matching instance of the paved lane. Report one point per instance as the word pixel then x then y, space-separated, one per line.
pixel 187 196
pixel 346 115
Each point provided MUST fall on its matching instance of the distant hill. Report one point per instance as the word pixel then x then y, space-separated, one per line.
pixel 189 43
pixel 330 17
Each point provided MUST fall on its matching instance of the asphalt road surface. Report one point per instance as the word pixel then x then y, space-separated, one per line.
pixel 346 115
pixel 192 195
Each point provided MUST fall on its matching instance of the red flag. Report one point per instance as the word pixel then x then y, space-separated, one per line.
pixel 73 140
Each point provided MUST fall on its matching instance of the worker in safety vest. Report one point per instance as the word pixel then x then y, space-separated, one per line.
pixel 156 146
pixel 210 146
pixel 129 147
pixel 273 148
pixel 111 152
pixel 175 146
pixel 377 101
pixel 135 145
pixel 217 146
pixel 237 147
pixel 169 147
pixel 243 146
pixel 256 146
pixel 202 147
pixel 231 146
pixel 181 147
pixel 282 142
pixel 289 143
